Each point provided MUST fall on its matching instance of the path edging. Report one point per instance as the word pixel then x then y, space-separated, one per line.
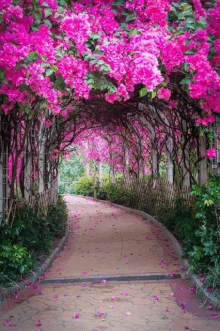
pixel 45 264
pixel 183 262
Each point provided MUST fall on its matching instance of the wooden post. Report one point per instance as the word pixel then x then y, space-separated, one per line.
pixel 100 174
pixel 41 156
pixel 202 166
pixel 27 169
pixel 186 174
pixel 126 163
pixel 4 197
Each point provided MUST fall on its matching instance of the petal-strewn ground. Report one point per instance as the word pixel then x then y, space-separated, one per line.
pixel 107 241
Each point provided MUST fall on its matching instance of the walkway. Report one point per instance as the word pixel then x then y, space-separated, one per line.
pixel 108 243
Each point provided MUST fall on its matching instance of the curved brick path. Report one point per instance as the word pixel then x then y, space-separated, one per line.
pixel 108 241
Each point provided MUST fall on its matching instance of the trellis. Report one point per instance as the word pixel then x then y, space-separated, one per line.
pixel 161 192
pixel 39 202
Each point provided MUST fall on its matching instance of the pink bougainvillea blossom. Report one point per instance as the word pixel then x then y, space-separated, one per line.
pixel 211 153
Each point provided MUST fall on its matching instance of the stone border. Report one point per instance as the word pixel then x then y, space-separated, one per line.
pixel 120 278
pixel 45 264
pixel 202 294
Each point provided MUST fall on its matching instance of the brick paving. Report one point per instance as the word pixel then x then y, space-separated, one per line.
pixel 104 241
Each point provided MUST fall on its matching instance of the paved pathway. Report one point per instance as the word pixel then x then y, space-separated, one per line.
pixel 107 241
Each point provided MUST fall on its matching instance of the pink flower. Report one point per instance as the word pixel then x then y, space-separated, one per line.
pixel 182 305
pixel 41 277
pixel 164 93
pixel 209 290
pixel 99 314
pixel 16 297
pixel 125 293
pixel 183 312
pixel 85 272
pixel 111 307
pixel 35 287
pixel 202 279
pixel 38 323
pixel 55 296
pixel 114 298
pixel 167 310
pixel 156 297
pixel 171 294
pixel 77 315
pixel 128 314
pixel 83 285
pixel 211 153
pixel 210 307
pixel 104 281
pixel 8 323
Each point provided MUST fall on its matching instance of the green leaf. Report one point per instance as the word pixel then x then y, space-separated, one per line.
pixel 45 3
pixel 34 28
pixel 49 72
pixel 133 31
pixel 153 94
pixel 48 23
pixel 143 92
pixel 54 67
pixel 44 57
pixel 43 104
pixel 190 52
pixel 185 81
pixel 130 17
pixel 164 83
pixel 48 12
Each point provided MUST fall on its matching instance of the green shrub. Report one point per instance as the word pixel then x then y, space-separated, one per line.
pixel 85 186
pixel 29 236
pixel 14 259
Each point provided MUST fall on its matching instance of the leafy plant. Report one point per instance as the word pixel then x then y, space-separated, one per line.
pixel 30 235
pixel 14 259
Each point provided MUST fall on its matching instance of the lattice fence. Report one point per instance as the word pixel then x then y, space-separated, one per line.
pixel 160 192
pixel 39 202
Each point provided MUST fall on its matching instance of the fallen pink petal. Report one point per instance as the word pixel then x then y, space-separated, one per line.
pixel 99 314
pixel 111 307
pixel 114 298
pixel 128 314
pixel 85 272
pixel 125 293
pixel 167 310
pixel 183 312
pixel 55 296
pixel 83 285
pixel 77 315
pixel 156 297
pixel 38 323
pixel 172 295
pixel 8 323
